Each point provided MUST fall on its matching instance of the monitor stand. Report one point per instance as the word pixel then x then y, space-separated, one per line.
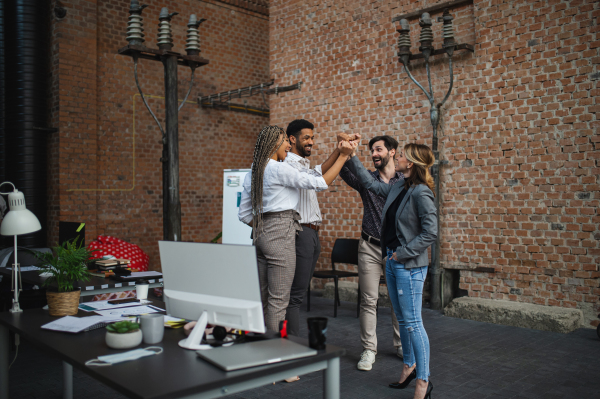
pixel 193 341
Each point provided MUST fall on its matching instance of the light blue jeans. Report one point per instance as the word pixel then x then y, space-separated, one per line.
pixel 405 287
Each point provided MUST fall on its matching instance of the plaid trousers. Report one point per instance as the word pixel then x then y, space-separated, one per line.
pixel 276 255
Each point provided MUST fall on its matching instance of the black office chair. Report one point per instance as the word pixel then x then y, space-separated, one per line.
pixel 345 250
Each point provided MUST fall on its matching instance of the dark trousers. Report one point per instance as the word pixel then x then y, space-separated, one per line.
pixel 308 248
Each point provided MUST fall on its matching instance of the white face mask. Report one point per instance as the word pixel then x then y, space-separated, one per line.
pixel 109 360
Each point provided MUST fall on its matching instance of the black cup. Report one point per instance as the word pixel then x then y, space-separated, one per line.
pixel 317 332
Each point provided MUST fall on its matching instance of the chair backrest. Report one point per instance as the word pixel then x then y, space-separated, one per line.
pixel 345 250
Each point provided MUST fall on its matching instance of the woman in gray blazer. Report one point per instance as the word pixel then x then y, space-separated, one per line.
pixel 408 228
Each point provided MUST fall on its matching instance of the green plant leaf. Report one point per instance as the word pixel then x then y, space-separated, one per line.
pixel 123 327
pixel 67 264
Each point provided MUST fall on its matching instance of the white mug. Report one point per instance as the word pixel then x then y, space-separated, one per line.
pixel 153 327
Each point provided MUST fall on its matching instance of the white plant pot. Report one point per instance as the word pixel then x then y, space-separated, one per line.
pixel 123 341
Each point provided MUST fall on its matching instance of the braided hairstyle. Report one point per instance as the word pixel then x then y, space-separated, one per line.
pixel 267 144
pixel 422 158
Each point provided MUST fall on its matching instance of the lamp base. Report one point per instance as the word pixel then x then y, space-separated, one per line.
pixel 16 308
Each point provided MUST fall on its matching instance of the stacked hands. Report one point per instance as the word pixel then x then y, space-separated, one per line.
pixel 347 143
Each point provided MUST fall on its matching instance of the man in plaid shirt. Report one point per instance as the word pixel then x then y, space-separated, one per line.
pixel 370 265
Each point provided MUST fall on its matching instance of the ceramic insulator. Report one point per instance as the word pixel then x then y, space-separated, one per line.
pixel 164 33
pixel 448 30
pixel 135 29
pixel 426 35
pixel 193 39
pixel 404 40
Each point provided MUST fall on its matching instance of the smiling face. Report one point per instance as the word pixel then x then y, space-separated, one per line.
pixel 283 149
pixel 302 145
pixel 380 154
pixel 403 165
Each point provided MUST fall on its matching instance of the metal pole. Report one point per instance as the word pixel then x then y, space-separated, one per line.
pixel 4 361
pixel 67 380
pixel 436 297
pixel 331 379
pixel 173 215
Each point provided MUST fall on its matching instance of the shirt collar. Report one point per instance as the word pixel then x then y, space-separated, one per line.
pixel 297 158
pixel 378 176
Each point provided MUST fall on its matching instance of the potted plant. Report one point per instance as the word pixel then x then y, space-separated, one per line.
pixel 64 266
pixel 123 334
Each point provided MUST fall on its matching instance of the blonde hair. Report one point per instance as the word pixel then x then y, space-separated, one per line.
pixel 267 144
pixel 422 159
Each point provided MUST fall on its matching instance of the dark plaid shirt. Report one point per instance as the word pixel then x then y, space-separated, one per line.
pixel 372 203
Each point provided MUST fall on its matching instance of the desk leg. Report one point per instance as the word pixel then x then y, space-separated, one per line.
pixel 67 381
pixel 4 359
pixel 331 379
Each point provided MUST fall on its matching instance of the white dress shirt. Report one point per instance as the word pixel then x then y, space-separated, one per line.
pixel 281 189
pixel 308 205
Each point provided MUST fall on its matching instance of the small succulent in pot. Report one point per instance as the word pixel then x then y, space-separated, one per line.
pixel 123 327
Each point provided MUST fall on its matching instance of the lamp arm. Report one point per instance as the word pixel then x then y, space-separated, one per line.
pixel 17 284
pixel 189 91
pixel 7 182
pixel 417 83
pixel 451 83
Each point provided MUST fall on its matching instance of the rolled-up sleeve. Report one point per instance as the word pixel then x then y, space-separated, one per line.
pixel 317 171
pixel 366 179
pixel 287 176
pixel 245 211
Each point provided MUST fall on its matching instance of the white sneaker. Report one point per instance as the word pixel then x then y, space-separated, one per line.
pixel 367 358
pixel 399 352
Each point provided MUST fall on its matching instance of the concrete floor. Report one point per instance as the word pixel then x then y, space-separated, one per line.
pixel 468 360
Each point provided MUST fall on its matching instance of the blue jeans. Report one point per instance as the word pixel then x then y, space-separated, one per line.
pixel 405 287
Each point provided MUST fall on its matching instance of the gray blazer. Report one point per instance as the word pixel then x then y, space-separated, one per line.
pixel 416 222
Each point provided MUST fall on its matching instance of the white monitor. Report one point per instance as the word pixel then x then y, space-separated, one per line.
pixel 211 283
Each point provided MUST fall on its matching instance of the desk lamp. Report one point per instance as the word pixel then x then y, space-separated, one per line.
pixel 17 221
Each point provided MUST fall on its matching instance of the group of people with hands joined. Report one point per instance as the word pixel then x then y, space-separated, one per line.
pixel 399 223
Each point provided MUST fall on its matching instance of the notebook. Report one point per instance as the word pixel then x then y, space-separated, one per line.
pixel 252 354
pixel 78 324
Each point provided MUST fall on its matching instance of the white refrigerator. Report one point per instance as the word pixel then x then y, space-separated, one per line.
pixel 234 231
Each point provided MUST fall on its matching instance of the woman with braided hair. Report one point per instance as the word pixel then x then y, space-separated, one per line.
pixel 269 199
pixel 408 228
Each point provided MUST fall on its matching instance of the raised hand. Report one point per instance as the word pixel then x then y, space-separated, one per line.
pixel 346 148
pixel 354 144
pixel 342 137
pixel 348 137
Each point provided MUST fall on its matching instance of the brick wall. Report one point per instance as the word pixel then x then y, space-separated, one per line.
pixel 520 192
pixel 105 166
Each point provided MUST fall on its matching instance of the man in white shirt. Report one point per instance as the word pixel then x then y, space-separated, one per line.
pixel 308 247
pixel 269 202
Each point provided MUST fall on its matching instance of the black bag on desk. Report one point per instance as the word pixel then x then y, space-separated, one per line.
pixel 121 271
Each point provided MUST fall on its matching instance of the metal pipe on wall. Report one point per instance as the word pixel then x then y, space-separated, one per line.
pixel 26 67
pixel 2 101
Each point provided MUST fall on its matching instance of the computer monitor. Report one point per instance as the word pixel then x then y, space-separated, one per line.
pixel 211 283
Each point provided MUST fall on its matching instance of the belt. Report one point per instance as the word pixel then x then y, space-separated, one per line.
pixel 370 239
pixel 315 227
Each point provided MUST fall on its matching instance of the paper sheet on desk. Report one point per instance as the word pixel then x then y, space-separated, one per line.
pixel 104 305
pixel 77 324
pixel 131 311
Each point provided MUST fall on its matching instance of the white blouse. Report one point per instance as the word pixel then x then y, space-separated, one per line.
pixel 281 189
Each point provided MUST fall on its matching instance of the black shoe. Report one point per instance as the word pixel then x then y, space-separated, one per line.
pixel 429 389
pixel 404 384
